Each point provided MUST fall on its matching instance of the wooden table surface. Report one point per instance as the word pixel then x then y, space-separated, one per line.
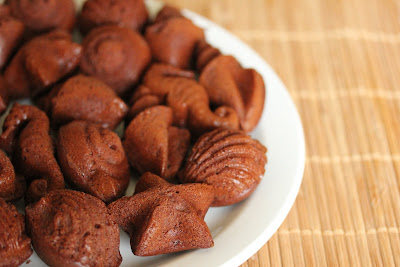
pixel 340 61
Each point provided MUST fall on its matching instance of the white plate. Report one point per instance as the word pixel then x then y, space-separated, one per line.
pixel 241 230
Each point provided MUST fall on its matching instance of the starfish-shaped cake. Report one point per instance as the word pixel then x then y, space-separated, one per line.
pixel 164 218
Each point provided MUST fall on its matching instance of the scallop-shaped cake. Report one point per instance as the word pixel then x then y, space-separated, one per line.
pixel 229 160
pixel 70 228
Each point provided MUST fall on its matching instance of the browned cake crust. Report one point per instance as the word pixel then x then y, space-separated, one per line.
pixel 11 32
pixel 26 137
pixel 93 160
pixel 128 13
pixel 165 218
pixel 15 245
pixel 86 98
pixel 153 145
pixel 229 160
pixel 187 99
pixel 228 84
pixel 41 16
pixel 116 55
pixel 70 228
pixel 12 186
pixel 172 39
pixel 32 71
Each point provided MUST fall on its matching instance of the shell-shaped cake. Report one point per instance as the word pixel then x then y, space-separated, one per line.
pixel 172 39
pixel 26 137
pixel 15 245
pixel 70 228
pixel 229 160
pixel 164 218
pixel 128 13
pixel 93 160
pixel 42 62
pixel 153 145
pixel 188 99
pixel 86 98
pixel 12 186
pixel 116 55
pixel 229 84
pixel 41 16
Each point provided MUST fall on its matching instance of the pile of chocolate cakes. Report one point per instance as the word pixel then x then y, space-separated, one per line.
pixel 186 111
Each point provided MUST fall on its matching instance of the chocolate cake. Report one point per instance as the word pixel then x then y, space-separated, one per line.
pixel 26 137
pixel 86 98
pixel 128 13
pixel 153 145
pixel 93 160
pixel 12 186
pixel 11 32
pixel 15 245
pixel 42 16
pixel 229 160
pixel 116 55
pixel 32 71
pixel 70 228
pixel 229 84
pixel 164 218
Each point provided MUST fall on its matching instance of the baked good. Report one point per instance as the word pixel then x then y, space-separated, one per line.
pixel 141 99
pixel 12 186
pixel 26 137
pixel 153 145
pixel 11 32
pixel 229 84
pixel 70 228
pixel 86 98
pixel 203 54
pixel 172 39
pixel 188 100
pixel 15 245
pixel 128 13
pixel 164 218
pixel 116 55
pixel 93 160
pixel 32 71
pixel 42 16
pixel 229 160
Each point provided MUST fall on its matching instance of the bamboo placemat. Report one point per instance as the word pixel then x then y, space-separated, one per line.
pixel 340 61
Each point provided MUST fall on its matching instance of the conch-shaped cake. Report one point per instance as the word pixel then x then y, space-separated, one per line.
pixel 229 160
pixel 15 245
pixel 12 186
pixel 172 39
pixel 117 56
pixel 26 137
pixel 40 63
pixel 71 228
pixel 164 218
pixel 42 16
pixel 153 144
pixel 85 98
pixel 187 98
pixel 93 160
pixel 229 84
pixel 3 95
pixel 128 13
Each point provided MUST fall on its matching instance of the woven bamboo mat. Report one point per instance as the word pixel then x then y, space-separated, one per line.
pixel 341 63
